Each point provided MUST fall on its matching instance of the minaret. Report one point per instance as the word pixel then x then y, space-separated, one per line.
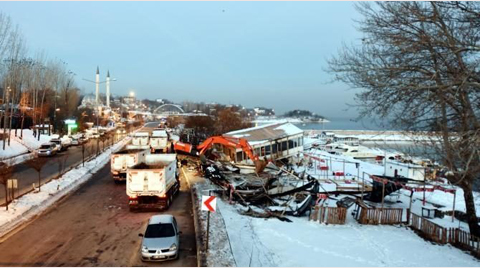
pixel 108 89
pixel 97 82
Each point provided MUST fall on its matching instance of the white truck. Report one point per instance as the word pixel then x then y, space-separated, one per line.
pixel 153 183
pixel 122 160
pixel 140 138
pixel 159 141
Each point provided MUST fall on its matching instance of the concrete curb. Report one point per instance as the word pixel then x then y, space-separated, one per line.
pixel 201 258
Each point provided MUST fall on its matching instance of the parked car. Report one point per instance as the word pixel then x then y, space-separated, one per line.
pixel 161 239
pixel 58 142
pixel 66 141
pixel 47 149
pixel 75 141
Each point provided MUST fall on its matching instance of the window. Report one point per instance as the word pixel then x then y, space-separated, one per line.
pixel 239 156
pixel 268 150
pixel 284 146
pixel 290 144
pixel 274 148
pixel 159 230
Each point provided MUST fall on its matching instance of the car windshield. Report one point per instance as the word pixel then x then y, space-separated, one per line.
pixel 159 230
pixel 46 146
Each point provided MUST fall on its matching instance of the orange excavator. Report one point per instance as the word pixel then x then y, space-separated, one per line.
pixel 227 141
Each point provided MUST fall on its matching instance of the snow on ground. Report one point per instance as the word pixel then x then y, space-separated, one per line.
pixel 336 163
pixel 31 141
pixel 219 252
pixel 33 203
pixel 387 136
pixel 20 146
pixel 270 242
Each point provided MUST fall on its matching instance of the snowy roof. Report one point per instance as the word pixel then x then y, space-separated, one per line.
pixel 266 132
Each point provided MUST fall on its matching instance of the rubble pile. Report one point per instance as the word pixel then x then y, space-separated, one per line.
pixel 276 191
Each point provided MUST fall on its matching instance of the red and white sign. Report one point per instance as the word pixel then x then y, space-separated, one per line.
pixel 209 203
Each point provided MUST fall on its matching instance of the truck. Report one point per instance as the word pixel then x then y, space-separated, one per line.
pixel 159 141
pixel 122 160
pixel 153 183
pixel 140 138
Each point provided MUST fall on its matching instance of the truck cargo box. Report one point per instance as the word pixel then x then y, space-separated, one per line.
pixel 154 182
pixel 122 160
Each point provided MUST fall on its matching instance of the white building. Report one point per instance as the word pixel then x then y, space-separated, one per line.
pixel 409 171
pixel 272 141
pixel 349 140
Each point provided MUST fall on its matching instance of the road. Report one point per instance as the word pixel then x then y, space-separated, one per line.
pixel 94 227
pixel 26 176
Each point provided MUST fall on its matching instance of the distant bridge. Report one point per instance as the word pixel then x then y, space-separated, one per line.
pixel 170 109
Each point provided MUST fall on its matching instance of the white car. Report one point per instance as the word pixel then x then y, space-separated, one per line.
pixel 66 141
pixel 58 143
pixel 47 149
pixel 161 240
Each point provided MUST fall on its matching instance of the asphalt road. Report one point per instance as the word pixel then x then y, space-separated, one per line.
pixel 94 227
pixel 26 176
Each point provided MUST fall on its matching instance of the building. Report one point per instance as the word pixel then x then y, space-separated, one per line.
pixel 272 141
pixel 89 101
pixel 43 129
pixel 348 140
pixel 405 170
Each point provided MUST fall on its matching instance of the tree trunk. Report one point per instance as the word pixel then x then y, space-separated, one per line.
pixel 10 123
pixel 472 219
pixel 39 180
pixel 21 125
pixel 5 121
pixel 6 195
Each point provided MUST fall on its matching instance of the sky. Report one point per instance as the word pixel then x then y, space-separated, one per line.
pixel 271 54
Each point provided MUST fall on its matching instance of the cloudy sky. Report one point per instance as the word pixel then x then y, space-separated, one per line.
pixel 269 54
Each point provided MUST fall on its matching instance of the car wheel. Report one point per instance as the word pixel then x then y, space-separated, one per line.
pixel 168 204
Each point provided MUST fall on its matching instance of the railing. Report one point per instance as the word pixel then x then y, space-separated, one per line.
pixel 428 229
pixel 377 216
pixel 464 240
pixel 329 215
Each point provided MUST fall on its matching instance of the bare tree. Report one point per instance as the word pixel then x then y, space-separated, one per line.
pixel 62 163
pixel 6 172
pixel 37 164
pixel 418 66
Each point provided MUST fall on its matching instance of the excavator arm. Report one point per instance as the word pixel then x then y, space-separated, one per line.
pixel 230 142
pixel 227 141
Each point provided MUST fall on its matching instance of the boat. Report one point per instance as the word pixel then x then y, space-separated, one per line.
pixel 357 152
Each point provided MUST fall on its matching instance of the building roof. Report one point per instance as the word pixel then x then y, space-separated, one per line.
pixel 265 133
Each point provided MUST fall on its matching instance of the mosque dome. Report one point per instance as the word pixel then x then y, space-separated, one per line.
pixel 89 101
